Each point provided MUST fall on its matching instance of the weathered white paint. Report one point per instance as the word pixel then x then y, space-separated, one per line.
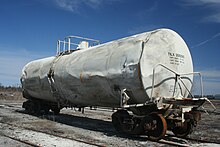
pixel 92 76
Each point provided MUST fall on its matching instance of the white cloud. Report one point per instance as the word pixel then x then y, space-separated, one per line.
pixel 206 41
pixel 211 74
pixel 211 81
pixel 212 5
pixel 145 14
pixel 11 69
pixel 208 1
pixel 12 62
pixel 68 5
pixel 94 3
pixel 75 5
pixel 200 2
pixel 148 12
pixel 213 18
pixel 211 87
pixel 146 28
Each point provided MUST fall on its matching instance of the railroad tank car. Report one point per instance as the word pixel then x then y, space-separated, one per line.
pixel 147 77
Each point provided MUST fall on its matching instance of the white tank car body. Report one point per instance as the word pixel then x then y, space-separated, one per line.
pixel 93 76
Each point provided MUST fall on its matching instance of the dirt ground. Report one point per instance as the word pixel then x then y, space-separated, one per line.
pixel 94 126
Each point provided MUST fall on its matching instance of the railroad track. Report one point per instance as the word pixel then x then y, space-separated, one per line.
pixel 169 139
pixel 22 141
pixel 195 140
pixel 28 142
pixel 165 141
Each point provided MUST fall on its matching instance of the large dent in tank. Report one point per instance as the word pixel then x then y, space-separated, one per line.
pixel 96 71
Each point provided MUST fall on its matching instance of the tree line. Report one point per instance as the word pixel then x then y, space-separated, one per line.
pixel 10 88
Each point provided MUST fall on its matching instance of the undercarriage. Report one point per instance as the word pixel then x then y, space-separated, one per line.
pixel 180 116
pixel 37 107
pixel 159 114
pixel 179 119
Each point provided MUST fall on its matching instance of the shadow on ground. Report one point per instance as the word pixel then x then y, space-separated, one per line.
pixel 97 125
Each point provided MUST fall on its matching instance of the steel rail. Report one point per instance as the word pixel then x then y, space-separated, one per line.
pixel 22 141
pixel 162 141
pixel 194 139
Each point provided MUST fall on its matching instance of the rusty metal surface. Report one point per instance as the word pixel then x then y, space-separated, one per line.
pixel 94 76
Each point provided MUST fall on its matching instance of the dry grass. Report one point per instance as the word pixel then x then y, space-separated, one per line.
pixel 11 93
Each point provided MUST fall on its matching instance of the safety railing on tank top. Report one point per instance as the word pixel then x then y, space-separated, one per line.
pixel 72 43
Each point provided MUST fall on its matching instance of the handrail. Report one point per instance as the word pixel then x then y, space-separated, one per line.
pixel 178 77
pixel 67 40
pixel 83 38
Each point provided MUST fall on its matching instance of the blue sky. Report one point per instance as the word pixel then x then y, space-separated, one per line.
pixel 29 29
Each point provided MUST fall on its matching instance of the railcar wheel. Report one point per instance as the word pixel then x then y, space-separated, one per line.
pixel 56 110
pixel 29 107
pixel 183 131
pixel 156 127
pixel 117 119
pixel 37 107
pixel 46 110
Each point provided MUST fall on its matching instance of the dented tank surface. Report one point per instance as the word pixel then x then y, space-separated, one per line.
pixel 95 76
pixel 146 76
